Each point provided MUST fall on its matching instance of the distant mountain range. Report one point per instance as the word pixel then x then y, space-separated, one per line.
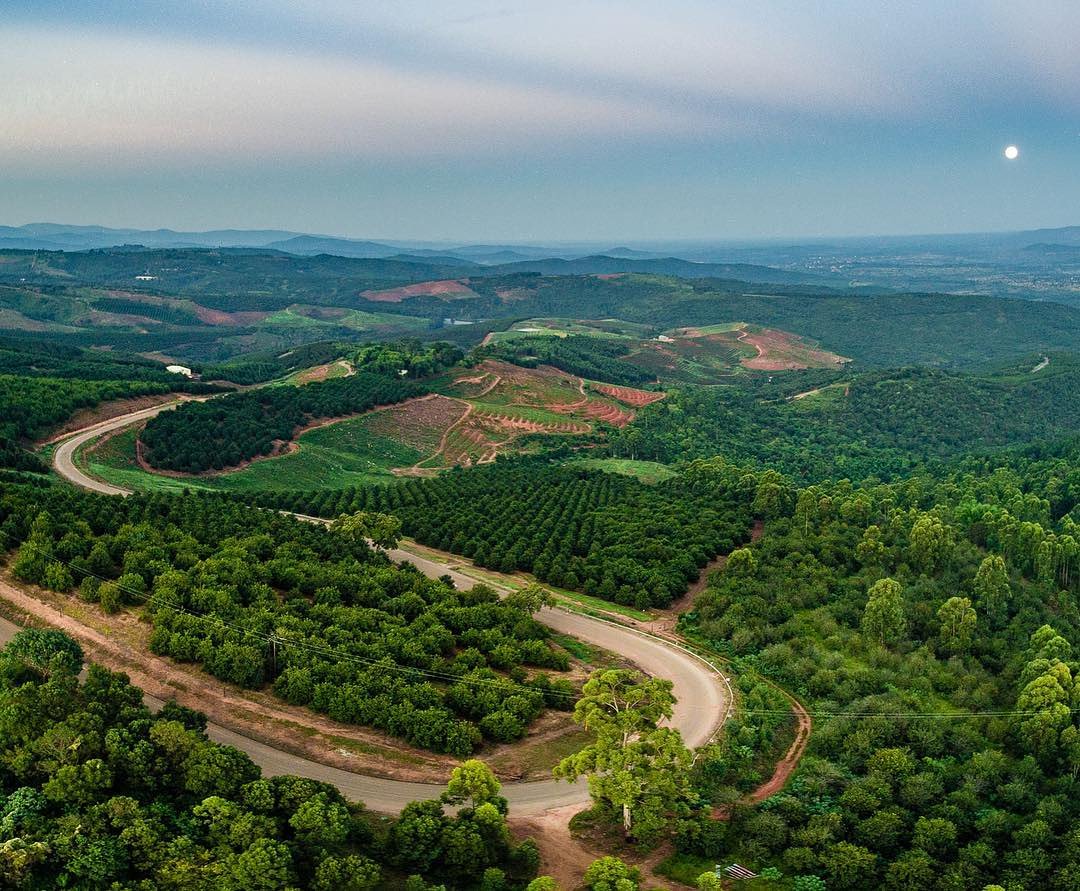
pixel 879 261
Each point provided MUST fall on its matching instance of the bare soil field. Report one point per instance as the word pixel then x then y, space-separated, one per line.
pixel 443 288
pixel 228 319
pixel 629 395
pixel 783 351
pixel 420 423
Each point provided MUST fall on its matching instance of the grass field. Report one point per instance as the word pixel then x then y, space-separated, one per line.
pixel 647 471
pixel 605 328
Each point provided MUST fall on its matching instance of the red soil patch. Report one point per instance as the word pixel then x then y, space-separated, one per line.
pixel 318 373
pixel 228 319
pixel 601 410
pixel 509 295
pixel 629 395
pixel 421 289
pixel 608 276
pixel 782 351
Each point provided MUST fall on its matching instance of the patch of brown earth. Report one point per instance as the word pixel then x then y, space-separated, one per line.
pixel 629 395
pixel 444 287
pixel 783 351
pixel 562 856
pixel 234 319
pixel 312 375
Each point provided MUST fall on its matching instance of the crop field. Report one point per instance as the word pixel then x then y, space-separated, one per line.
pixel 324 372
pixel 629 395
pixel 482 412
pixel 649 472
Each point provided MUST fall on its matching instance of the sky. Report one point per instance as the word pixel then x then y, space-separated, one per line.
pixel 497 121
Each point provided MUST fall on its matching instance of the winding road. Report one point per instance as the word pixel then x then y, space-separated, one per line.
pixel 703 694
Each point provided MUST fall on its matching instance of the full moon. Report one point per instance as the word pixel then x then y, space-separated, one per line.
pixel 1012 152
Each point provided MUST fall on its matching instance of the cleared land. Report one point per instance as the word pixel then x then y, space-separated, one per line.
pixel 782 351
pixel 443 288
pixel 480 413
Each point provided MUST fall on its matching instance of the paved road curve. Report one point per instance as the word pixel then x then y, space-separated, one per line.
pixel 703 695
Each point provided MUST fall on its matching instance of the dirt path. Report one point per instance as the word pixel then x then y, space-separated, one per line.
pixel 785 767
pixel 1045 361
pixel 564 857
pixel 446 433
pixel 119 643
pixel 669 617
pixel 105 411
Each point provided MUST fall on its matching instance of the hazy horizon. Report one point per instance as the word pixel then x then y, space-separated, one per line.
pixel 517 122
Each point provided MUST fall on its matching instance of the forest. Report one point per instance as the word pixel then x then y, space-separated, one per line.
pixel 878 423
pixel 42 385
pixel 931 625
pixel 610 536
pixel 265 601
pixel 224 432
pixel 98 792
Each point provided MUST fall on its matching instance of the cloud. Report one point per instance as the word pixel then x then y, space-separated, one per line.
pixel 202 82
pixel 89 96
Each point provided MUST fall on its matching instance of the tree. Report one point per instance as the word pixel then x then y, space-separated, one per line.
pixel 633 765
pixel 542 883
pixel 473 782
pixel 529 599
pixel 741 562
pixel 958 622
pixel 883 617
pixel 930 543
pixel 321 822
pixel 871 550
pixel 849 866
pixel 383 530
pixel 44 651
pixel 416 837
pixel 611 874
pixel 352 873
pixel 992 592
pixel 710 881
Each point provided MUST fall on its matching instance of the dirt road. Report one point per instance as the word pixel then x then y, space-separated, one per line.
pixel 702 694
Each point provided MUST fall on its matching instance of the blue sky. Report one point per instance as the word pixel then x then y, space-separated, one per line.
pixel 516 121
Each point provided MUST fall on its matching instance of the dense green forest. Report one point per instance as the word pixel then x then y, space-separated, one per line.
pixel 610 536
pixel 42 385
pixel 224 432
pixel 30 406
pixel 906 609
pixel 881 423
pixel 262 600
pixel 97 792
